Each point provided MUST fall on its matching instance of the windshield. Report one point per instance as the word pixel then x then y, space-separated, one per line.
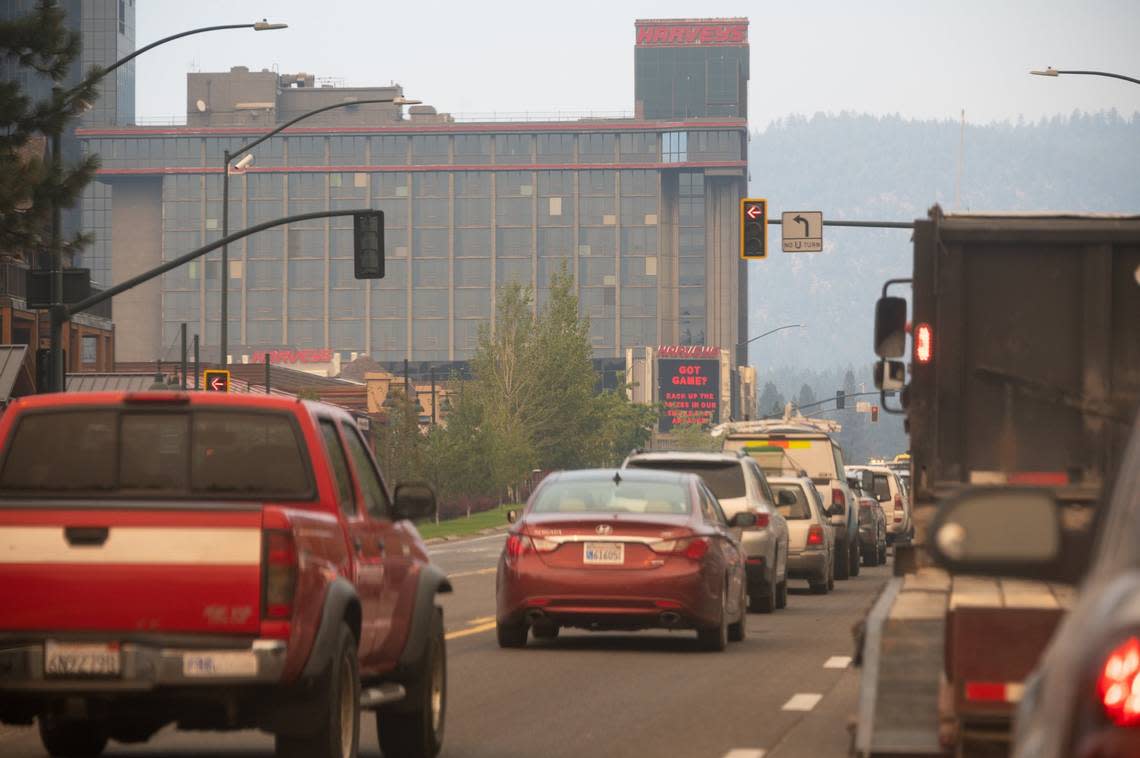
pixel 603 496
pixel 724 478
pixel 800 510
pixel 156 454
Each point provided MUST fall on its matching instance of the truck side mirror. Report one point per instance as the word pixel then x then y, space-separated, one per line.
pixel 890 375
pixel 890 327
pixel 867 480
pixel 413 501
pixel 1006 531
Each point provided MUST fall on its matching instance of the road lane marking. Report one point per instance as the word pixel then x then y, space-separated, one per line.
pixel 480 620
pixel 470 630
pixel 744 752
pixel 802 701
pixel 472 573
pixel 838 662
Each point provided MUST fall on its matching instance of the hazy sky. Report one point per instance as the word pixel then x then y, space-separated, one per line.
pixel 917 58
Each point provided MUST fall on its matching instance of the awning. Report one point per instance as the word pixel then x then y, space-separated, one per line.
pixel 11 365
pixel 109 382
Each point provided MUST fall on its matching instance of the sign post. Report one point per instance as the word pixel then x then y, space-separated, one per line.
pixel 216 380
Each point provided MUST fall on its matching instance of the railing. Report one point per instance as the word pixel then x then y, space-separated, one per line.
pixel 14 279
pixel 555 115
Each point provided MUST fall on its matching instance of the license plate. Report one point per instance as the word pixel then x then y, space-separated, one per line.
pixel 81 659
pixel 604 553
pixel 237 663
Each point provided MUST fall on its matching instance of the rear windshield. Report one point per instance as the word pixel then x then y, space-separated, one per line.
pixel 197 453
pixel 800 510
pixel 725 479
pixel 604 496
pixel 817 456
pixel 882 488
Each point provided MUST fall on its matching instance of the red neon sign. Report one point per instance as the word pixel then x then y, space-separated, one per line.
pixel 667 34
pixel 688 351
pixel 310 355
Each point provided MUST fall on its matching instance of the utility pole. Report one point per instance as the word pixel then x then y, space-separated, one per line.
pixel 183 336
pixel 197 365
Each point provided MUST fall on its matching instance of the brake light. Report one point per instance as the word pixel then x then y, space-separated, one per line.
pixel 521 544
pixel 898 509
pixel 693 548
pixel 923 343
pixel 1119 684
pixel 838 498
pixel 815 535
pixel 516 545
pixel 762 520
pixel 696 549
pixel 279 569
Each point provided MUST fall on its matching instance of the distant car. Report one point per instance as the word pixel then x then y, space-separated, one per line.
pixel 811 538
pixel 740 485
pixel 607 549
pixel 1081 700
pixel 894 496
pixel 872 528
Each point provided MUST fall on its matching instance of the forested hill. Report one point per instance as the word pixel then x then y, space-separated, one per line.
pixel 854 166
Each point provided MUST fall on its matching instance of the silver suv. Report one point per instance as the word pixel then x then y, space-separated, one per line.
pixel 740 485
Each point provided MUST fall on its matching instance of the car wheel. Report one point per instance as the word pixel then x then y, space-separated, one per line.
pixel 338 729
pixel 511 635
pixel 418 733
pixel 782 594
pixel 72 738
pixel 545 631
pixel 843 565
pixel 883 555
pixel 736 630
pixel 856 551
pixel 715 639
pixel 831 574
pixel 763 600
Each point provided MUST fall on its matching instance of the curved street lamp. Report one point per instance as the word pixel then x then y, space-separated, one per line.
pixel 771 331
pixel 56 353
pixel 1057 72
pixel 245 162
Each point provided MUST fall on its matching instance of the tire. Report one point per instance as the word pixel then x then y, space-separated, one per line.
pixel 511 635
pixel 545 631
pixel 856 555
pixel 782 594
pixel 72 738
pixel 822 585
pixel 883 555
pixel 831 574
pixel 764 601
pixel 715 640
pixel 736 630
pixel 418 732
pixel 338 733
pixel 843 566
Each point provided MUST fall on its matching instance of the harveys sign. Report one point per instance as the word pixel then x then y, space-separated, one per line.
pixel 315 355
pixel 688 390
pixel 695 33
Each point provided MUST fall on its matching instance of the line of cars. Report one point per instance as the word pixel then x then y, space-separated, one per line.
pixel 693 540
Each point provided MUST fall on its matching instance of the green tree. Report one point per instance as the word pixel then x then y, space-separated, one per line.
pixel 696 438
pixel 620 427
pixel 400 444
pixel 806 396
pixel 771 401
pixel 31 186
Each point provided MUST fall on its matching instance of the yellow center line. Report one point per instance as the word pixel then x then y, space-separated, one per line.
pixel 472 573
pixel 472 630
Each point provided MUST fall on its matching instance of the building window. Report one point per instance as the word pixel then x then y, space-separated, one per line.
pixel 122 16
pixel 675 147
pixel 90 349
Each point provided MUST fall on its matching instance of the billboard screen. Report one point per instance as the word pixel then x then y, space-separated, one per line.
pixel 689 391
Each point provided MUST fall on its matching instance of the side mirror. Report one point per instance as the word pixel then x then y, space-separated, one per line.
pixel 890 327
pixel 999 531
pixel 512 516
pixel 867 480
pixel 414 501
pixel 743 520
pixel 890 376
pixel 785 498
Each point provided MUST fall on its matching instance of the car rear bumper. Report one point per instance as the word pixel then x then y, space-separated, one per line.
pixel 145 667
pixel 807 564
pixel 609 599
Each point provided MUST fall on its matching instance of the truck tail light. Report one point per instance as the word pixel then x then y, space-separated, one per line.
pixel 762 520
pixel 838 498
pixel 815 535
pixel 898 509
pixel 279 574
pixel 1118 684
pixel 923 344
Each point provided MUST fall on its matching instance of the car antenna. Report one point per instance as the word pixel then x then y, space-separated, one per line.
pixel 617 477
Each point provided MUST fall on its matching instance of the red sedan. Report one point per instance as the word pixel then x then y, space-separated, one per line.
pixel 623 550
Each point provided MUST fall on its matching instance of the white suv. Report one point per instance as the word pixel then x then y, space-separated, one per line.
pixel 888 489
pixel 740 485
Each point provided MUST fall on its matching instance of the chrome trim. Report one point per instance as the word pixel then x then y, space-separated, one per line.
pixel 563 539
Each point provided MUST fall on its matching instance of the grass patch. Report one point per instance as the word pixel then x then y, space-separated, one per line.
pixel 464 525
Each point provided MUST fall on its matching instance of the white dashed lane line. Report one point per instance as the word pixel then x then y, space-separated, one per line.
pixel 744 752
pixel 802 701
pixel 837 662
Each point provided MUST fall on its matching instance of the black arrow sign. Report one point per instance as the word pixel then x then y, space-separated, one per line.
pixel 804 221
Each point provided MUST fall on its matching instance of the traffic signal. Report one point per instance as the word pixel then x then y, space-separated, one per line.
pixel 216 380
pixel 840 400
pixel 368 245
pixel 874 414
pixel 753 228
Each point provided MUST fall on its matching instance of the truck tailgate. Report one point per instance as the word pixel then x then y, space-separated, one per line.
pixel 130 569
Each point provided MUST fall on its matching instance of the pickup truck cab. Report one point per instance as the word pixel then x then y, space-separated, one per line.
pixel 214 561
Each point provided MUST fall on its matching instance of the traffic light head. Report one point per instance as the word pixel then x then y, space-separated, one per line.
pixel 753 228
pixel 874 414
pixel 840 400
pixel 368 245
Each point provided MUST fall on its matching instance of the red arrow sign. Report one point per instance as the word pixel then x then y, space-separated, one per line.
pixel 753 212
pixel 218 383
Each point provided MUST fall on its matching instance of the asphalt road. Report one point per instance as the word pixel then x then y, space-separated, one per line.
pixel 786 691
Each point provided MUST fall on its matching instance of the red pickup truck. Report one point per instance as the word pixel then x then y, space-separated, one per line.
pixel 217 562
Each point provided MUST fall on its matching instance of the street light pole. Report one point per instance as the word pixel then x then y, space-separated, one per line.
pixel 228 156
pixel 55 248
pixel 1057 72
pixel 771 331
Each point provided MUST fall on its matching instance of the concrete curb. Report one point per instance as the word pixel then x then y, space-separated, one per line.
pixel 461 537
